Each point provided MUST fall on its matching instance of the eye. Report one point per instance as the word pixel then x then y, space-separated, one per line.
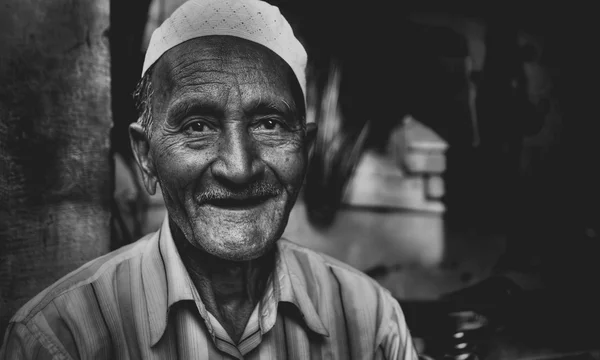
pixel 196 126
pixel 269 124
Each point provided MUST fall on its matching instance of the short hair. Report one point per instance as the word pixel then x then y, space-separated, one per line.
pixel 142 97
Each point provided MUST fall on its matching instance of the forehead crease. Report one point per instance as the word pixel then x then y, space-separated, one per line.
pixel 224 84
pixel 243 79
pixel 215 69
pixel 218 69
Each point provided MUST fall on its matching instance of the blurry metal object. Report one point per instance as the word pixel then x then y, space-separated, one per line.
pixel 456 335
pixel 462 324
pixel 335 155
pixel 464 342
pixel 379 184
pixel 481 311
pixel 416 148
pixel 406 176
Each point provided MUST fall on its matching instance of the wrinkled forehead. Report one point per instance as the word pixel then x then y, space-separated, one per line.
pixel 221 59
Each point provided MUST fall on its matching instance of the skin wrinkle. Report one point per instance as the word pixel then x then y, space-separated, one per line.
pixel 144 91
pixel 228 252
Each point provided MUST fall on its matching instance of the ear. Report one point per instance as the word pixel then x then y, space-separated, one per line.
pixel 309 138
pixel 140 144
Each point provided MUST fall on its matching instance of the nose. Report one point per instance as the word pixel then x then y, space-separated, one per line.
pixel 238 162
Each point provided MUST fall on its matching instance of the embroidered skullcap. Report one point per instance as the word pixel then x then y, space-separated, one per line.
pixel 252 20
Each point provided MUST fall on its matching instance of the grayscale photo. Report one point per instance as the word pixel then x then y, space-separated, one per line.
pixel 286 179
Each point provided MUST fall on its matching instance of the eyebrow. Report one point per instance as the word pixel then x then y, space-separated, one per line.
pixel 183 108
pixel 202 106
pixel 281 108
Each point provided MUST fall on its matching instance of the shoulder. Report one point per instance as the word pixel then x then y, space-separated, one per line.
pixel 332 275
pixel 324 263
pixel 348 301
pixel 78 281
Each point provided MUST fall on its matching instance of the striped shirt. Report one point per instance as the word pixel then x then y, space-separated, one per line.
pixel 139 302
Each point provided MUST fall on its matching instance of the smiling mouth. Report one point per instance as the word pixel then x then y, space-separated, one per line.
pixel 239 203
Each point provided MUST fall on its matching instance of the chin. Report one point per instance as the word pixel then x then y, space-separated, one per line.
pixel 245 254
pixel 237 244
pixel 240 235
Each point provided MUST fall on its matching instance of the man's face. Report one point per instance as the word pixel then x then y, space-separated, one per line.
pixel 227 145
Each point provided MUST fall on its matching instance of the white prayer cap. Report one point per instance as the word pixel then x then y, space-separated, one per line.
pixel 252 20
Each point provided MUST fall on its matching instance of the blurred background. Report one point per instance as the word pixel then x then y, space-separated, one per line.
pixel 456 160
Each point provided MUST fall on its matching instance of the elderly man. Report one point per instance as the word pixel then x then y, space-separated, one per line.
pixel 223 133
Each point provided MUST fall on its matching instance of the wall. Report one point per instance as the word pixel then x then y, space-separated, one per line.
pixel 55 168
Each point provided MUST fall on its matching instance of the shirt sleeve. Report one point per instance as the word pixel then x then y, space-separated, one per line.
pixel 394 339
pixel 21 343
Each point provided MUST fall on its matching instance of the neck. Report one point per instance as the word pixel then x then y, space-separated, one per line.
pixel 229 289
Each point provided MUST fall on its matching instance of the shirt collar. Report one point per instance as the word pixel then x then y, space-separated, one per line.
pixel 166 282
pixel 289 285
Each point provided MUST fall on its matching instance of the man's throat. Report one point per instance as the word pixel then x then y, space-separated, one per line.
pixel 231 294
pixel 230 290
pixel 233 316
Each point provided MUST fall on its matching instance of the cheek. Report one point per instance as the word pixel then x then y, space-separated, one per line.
pixel 179 168
pixel 288 165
